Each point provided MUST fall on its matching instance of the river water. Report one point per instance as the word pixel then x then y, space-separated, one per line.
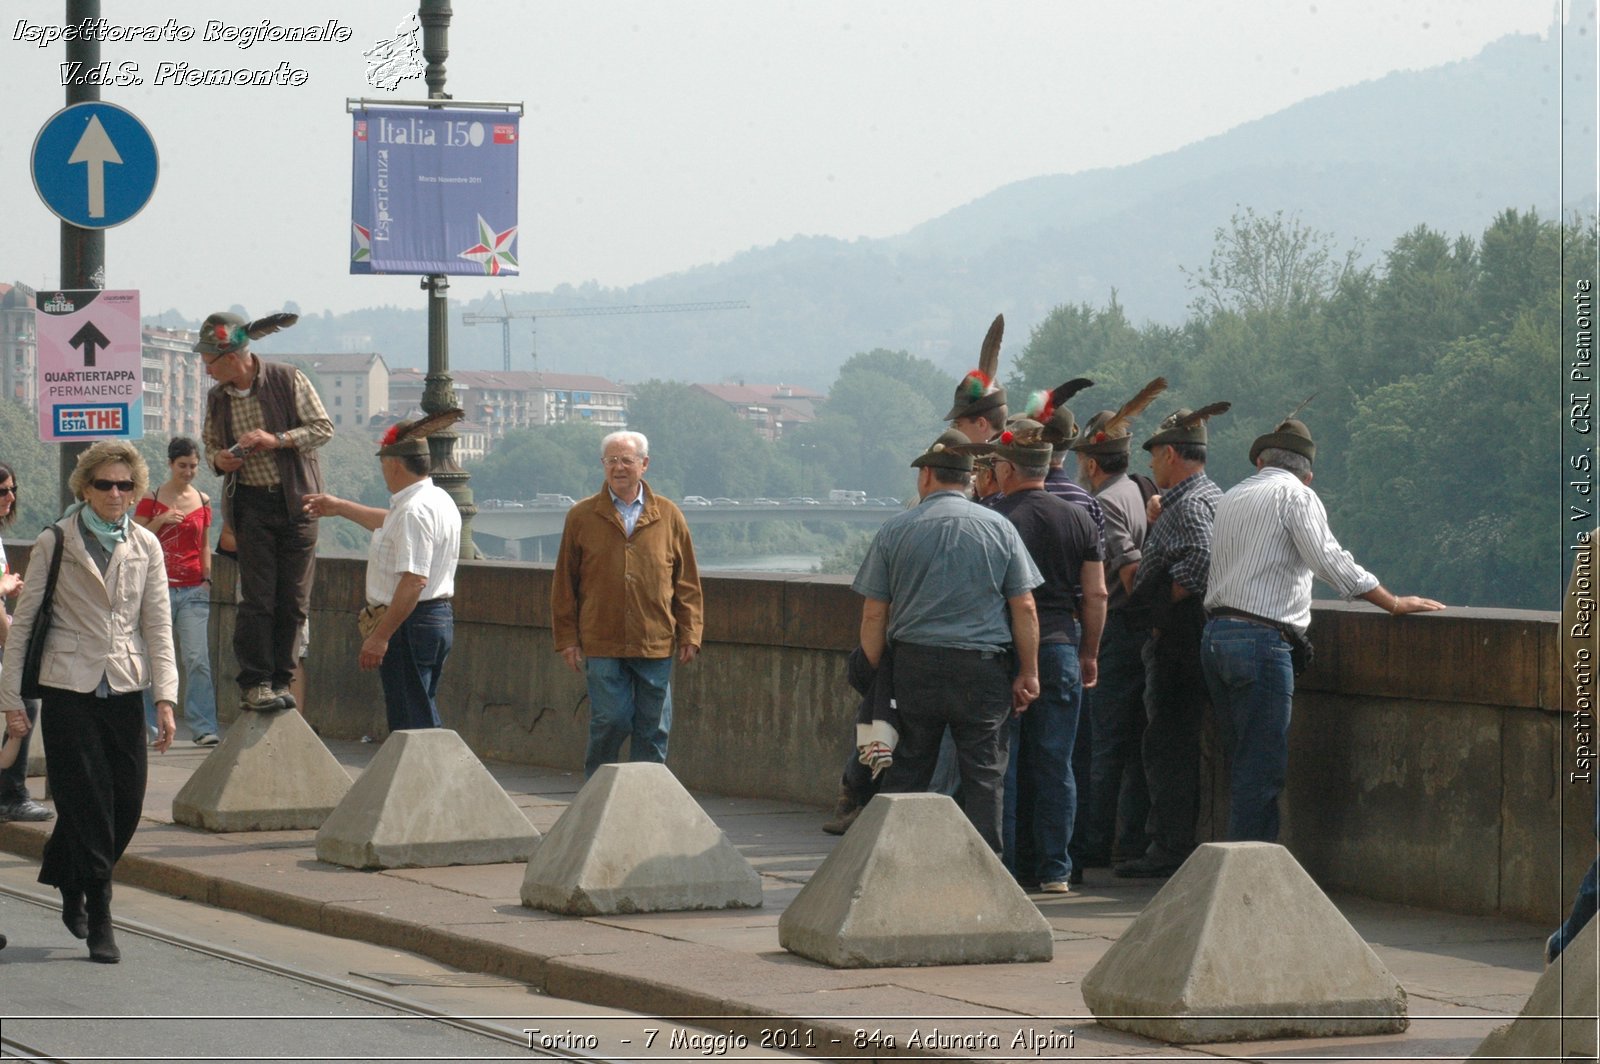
pixel 764 563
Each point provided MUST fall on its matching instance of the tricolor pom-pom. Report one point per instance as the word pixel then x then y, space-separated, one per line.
pixel 392 435
pixel 1039 407
pixel 1007 437
pixel 974 384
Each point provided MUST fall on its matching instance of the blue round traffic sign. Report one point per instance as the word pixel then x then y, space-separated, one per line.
pixel 94 165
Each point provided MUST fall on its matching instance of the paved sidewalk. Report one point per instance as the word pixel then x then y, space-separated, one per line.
pixel 1464 975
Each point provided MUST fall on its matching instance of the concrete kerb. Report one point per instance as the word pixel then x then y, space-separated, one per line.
pixel 588 960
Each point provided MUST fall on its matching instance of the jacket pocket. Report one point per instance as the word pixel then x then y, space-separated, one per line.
pixel 60 651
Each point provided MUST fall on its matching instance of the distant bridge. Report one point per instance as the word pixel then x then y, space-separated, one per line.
pixel 536 522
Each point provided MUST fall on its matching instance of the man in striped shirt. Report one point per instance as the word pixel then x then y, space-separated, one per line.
pixel 1270 538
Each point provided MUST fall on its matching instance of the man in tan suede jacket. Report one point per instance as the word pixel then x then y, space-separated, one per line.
pixel 626 588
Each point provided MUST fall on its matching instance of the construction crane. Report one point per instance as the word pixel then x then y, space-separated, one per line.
pixel 505 318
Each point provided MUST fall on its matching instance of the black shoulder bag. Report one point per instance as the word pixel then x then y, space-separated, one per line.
pixel 34 659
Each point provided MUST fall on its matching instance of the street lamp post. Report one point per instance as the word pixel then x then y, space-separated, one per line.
pixel 438 394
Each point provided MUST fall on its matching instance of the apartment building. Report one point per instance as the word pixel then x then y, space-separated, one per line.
pixel 503 402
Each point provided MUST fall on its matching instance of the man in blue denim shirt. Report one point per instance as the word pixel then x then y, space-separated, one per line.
pixel 1270 538
pixel 942 581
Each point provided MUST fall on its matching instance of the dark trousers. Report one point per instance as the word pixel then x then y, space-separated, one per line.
pixel 968 692
pixel 410 670
pixel 277 558
pixel 14 780
pixel 95 758
pixel 1117 789
pixel 1175 703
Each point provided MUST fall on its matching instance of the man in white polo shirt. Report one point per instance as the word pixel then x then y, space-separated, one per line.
pixel 411 572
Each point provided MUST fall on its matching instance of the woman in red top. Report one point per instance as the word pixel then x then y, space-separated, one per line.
pixel 180 516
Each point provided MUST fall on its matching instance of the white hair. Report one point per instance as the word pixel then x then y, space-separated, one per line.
pixel 641 446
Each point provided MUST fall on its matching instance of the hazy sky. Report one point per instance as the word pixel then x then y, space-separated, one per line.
pixel 664 134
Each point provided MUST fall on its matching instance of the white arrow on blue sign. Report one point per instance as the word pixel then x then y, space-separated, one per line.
pixel 94 165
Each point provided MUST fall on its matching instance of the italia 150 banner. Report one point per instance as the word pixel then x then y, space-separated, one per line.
pixel 434 191
pixel 91 380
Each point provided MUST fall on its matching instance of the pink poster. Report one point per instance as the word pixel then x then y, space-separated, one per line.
pixel 91 381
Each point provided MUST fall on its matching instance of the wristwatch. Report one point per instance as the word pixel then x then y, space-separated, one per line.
pixel 283 439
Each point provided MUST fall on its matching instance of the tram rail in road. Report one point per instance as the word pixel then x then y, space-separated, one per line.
pixel 303 1014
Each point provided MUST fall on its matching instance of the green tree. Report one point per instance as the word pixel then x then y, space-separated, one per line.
pixel 1262 263
pixel 548 459
pixel 1080 340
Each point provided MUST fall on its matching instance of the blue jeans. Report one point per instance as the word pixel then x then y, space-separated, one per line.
pixel 411 668
pixel 1041 795
pixel 191 615
pixel 629 698
pixel 1251 679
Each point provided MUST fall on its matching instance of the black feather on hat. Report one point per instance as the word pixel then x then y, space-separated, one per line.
pixel 224 332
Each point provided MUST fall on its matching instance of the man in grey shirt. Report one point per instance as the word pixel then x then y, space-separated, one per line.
pixel 950 585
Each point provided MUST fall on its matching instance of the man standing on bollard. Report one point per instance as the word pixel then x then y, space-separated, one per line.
pixel 626 588
pixel 1271 537
pixel 1168 592
pixel 264 423
pixel 408 624
pixel 950 586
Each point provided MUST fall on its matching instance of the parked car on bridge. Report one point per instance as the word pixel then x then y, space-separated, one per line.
pixel 723 501
pixel 696 500
pixel 765 502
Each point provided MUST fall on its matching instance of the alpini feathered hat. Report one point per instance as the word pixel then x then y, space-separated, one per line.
pixel 407 438
pixel 1049 409
pixel 1110 432
pixel 945 453
pixel 1185 426
pixel 1291 435
pixel 979 392
pixel 223 333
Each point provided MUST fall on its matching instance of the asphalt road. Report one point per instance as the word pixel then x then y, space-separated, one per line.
pixel 279 994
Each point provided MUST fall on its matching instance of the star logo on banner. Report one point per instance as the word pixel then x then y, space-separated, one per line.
pixel 493 249
pixel 363 251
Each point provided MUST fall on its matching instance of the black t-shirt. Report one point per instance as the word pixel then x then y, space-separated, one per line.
pixel 1060 537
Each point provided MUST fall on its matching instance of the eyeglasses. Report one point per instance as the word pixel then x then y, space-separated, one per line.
pixel 623 460
pixel 123 486
pixel 10 489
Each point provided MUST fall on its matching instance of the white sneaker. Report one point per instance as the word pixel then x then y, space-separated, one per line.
pixel 206 740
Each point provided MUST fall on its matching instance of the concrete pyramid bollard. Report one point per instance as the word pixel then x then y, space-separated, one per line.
pixel 425 801
pixel 271 773
pixel 634 841
pixel 1241 944
pixel 1558 1022
pixel 913 883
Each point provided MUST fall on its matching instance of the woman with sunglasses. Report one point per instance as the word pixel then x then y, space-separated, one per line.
pixel 110 638
pixel 15 802
pixel 180 515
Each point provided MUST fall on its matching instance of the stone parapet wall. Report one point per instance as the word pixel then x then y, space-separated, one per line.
pixel 1428 754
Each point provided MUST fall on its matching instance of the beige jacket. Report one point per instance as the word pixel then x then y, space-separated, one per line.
pixel 118 626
